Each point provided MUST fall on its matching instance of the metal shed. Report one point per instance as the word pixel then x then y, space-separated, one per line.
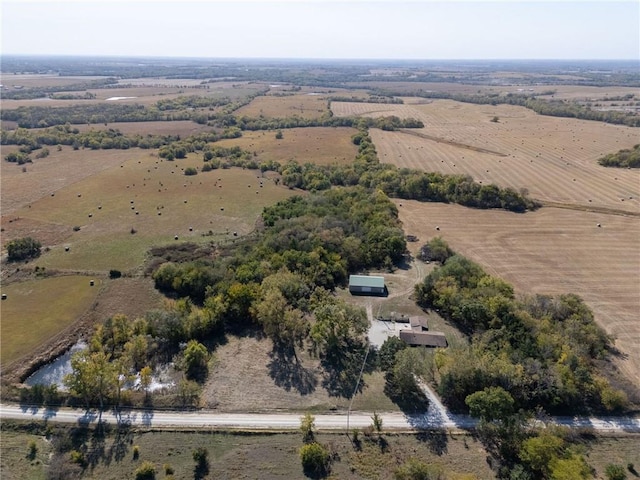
pixel 366 285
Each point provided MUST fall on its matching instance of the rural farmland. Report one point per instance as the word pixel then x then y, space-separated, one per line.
pixel 197 224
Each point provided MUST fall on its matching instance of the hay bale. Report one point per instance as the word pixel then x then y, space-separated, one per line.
pixel 91 283
pixel 4 296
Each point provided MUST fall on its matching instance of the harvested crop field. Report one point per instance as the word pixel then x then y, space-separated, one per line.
pixel 555 159
pixel 550 251
pixel 307 105
pixel 319 145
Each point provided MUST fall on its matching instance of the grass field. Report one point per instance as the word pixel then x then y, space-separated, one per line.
pixel 246 378
pixel 319 145
pixel 184 128
pixel 275 456
pixel 27 323
pixel 550 251
pixel 305 105
pixel 248 456
pixel 168 203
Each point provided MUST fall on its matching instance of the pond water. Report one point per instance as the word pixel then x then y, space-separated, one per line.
pixel 54 372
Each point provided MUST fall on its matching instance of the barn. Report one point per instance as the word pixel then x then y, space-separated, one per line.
pixel 366 285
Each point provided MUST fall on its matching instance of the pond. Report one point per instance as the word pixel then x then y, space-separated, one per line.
pixel 54 372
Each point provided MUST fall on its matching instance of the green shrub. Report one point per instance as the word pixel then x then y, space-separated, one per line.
pixel 315 459
pixel 77 457
pixel 32 450
pixel 23 249
pixel 190 171
pixel 615 472
pixel 146 471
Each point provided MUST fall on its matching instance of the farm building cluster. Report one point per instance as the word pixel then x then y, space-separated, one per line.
pixel 413 330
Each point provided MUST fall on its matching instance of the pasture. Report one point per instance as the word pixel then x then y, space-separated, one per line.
pixel 319 145
pixel 37 310
pixel 142 201
pixel 550 251
pixel 303 105
pixel 555 159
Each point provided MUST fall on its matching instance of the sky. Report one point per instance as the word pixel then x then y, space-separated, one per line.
pixel 325 29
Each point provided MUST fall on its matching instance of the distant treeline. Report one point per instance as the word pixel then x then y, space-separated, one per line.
pixel 30 140
pixel 369 99
pixel 626 158
pixel 262 123
pixel 554 108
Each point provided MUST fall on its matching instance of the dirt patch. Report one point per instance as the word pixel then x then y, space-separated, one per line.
pixel 246 378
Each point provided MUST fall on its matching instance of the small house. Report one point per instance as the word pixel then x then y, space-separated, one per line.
pixel 366 285
pixel 425 339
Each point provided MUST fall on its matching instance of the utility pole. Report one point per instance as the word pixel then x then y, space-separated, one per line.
pixel 355 390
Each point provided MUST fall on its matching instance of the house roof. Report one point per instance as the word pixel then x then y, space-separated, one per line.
pixel 366 281
pixel 427 339
pixel 418 323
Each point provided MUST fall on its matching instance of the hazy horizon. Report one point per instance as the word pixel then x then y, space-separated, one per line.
pixel 337 30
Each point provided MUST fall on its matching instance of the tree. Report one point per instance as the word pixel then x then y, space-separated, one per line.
pixel 337 323
pixel 436 250
pixel 315 459
pixel 307 427
pixel 188 391
pixel 195 358
pixel 23 249
pixel 492 403
pixel 145 380
pixel 93 376
pixel 539 451
pixel 377 422
pixel 279 135
pixel 201 457
pixel 572 467
pixel 388 350
pixel 284 324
